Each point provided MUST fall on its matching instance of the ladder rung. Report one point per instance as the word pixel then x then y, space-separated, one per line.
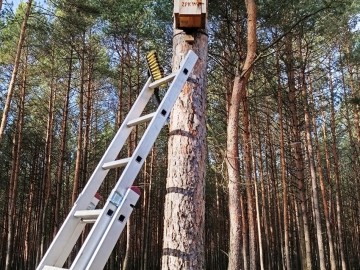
pixel 162 80
pixel 47 267
pixel 116 163
pixel 87 214
pixel 141 119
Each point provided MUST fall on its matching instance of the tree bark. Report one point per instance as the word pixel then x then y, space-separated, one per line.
pixel 337 176
pixel 232 156
pixel 79 148
pixel 63 139
pixel 11 87
pixel 298 157
pixel 14 179
pixel 183 242
pixel 310 154
pixel 332 257
pixel 286 255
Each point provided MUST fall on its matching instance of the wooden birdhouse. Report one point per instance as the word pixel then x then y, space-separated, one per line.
pixel 190 14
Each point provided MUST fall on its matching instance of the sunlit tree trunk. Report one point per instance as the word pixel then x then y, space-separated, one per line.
pixel 80 134
pixel 232 156
pixel 248 175
pixel 184 221
pixel 11 87
pixel 14 179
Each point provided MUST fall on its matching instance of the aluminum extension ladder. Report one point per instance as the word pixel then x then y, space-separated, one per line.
pixel 110 221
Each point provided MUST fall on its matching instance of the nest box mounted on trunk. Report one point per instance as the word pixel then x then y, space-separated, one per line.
pixel 190 14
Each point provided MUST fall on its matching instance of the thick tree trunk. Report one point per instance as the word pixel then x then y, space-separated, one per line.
pixel 183 242
pixel 15 70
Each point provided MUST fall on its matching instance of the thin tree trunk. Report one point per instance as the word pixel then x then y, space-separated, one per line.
pixel 337 176
pixel 131 146
pixel 314 193
pixel 286 254
pixel 332 257
pixel 258 219
pixel 63 138
pixel 234 189
pixel 79 148
pixel 47 177
pixel 14 178
pixel 264 218
pixel 248 178
pixel 298 158
pixel 11 87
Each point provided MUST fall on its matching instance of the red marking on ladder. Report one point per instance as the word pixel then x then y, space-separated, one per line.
pixel 136 189
pixel 98 196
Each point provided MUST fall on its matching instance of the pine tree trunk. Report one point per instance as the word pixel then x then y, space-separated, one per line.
pixel 79 148
pixel 47 178
pixel 264 211
pixel 298 158
pixel 248 178
pixel 332 257
pixel 63 139
pixel 183 242
pixel 234 190
pixel 337 177
pixel 314 192
pixel 14 179
pixel 15 70
pixel 286 255
pixel 232 156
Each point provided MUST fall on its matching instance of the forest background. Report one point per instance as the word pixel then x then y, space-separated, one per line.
pixel 80 68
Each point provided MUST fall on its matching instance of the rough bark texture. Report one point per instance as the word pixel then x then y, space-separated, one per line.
pixel 183 243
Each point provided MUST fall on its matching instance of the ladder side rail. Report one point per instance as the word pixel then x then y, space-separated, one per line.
pixel 61 244
pixel 133 167
pixel 113 231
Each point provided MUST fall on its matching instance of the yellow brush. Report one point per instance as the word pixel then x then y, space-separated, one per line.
pixel 155 69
